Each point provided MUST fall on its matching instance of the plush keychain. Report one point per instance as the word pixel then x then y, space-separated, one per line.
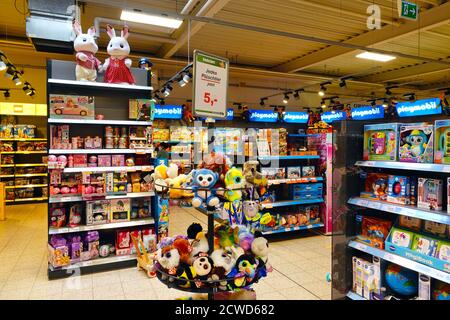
pixel 86 48
pixel 203 181
pixel 117 66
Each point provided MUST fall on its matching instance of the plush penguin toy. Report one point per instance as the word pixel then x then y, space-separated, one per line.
pixel 199 242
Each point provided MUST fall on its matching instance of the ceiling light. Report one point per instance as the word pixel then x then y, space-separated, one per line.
pixel 6 94
pixel 3 66
pixel 323 88
pixel 342 83
pixel 322 104
pixel 17 80
pixel 9 73
pixel 375 56
pixel 156 20
pixel 297 94
pixel 167 90
pixel 261 102
pixel 286 98
pixel 32 93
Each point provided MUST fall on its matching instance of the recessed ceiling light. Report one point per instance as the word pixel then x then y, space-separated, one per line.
pixel 375 56
pixel 156 20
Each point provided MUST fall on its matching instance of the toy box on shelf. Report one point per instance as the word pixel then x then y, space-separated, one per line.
pixel 161 134
pixel 58 252
pixel 71 107
pixel 120 210
pixel 373 231
pixel 181 133
pixel 116 183
pixel 141 109
pixel 442 141
pixel 62 184
pixel 375 185
pixel 93 185
pixel 306 191
pixel 140 209
pixel 97 212
pixel 381 141
pixel 416 143
pixel 399 190
pixel 429 194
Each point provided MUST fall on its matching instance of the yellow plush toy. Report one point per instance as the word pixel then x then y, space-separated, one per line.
pixel 175 184
pixel 234 180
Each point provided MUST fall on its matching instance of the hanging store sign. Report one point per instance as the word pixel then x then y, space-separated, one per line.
pixel 331 116
pixel 263 116
pixel 419 108
pixel 210 85
pixel 368 113
pixel 296 117
pixel 168 112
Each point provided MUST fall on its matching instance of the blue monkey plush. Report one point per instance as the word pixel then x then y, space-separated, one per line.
pixel 203 181
pixel 418 142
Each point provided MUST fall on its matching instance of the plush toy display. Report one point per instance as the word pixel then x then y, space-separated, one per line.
pixel 118 67
pixel 234 182
pixel 203 182
pixel 86 48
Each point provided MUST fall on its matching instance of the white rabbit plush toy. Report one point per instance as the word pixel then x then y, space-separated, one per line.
pixel 118 66
pixel 86 48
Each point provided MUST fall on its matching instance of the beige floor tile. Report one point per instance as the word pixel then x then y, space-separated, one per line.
pixel 19 294
pixel 298 293
pixel 274 295
pixel 302 277
pixel 319 288
pixel 287 268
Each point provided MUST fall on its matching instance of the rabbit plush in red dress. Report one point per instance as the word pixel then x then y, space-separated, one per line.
pixel 117 66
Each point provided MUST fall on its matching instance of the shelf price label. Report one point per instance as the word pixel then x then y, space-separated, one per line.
pixel 210 85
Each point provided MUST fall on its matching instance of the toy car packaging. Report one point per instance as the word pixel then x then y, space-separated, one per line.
pixel 71 107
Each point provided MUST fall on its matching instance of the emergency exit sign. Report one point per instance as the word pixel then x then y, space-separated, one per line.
pixel 408 10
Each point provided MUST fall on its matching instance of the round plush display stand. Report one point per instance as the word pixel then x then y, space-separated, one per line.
pixel 224 288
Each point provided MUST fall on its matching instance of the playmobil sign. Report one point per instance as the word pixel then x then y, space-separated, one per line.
pixel 419 108
pixel 368 113
pixel 263 116
pixel 296 117
pixel 331 116
pixel 168 112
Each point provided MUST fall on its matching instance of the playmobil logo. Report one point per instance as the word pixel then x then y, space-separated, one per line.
pixel 263 116
pixel 419 108
pixel 296 117
pixel 331 116
pixel 368 112
pixel 168 112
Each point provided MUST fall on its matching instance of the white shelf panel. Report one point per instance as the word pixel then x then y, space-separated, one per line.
pixel 89 84
pixel 410 211
pixel 100 151
pixel 430 167
pixel 404 262
pixel 105 226
pixel 96 262
pixel 353 296
pixel 109 169
pixel 80 198
pixel 100 122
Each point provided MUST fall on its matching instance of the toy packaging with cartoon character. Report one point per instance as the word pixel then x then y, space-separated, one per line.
pixel 375 186
pixel 442 141
pixel 381 141
pixel 429 194
pixel 72 107
pixel 416 143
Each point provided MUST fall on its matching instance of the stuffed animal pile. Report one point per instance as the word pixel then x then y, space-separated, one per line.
pixel 239 258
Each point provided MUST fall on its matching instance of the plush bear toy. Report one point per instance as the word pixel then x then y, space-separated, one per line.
pixel 86 48
pixel 203 181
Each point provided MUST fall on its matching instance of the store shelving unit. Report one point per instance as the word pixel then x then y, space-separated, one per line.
pixel 282 230
pixel 405 166
pixel 111 100
pixel 287 203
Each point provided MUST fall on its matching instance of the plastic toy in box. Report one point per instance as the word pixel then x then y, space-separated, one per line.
pixel 443 251
pixel 161 134
pixel 6 146
pixel 375 186
pixel 117 160
pixel 381 141
pixel 6 131
pixel 313 212
pixel 116 182
pixel 442 141
pixel 416 143
pixel 24 131
pixel 435 228
pixel 429 194
pixel 93 184
pixel 60 137
pixel 6 159
pixel 57 217
pixel 123 242
pixel 97 212
pixel 398 190
pixel 401 238
pixel 140 208
pixel 141 109
pixel 374 231
pixel 181 133
pixel 72 107
pixel 425 245
pixel 58 251
pixel 120 210
pixel 91 244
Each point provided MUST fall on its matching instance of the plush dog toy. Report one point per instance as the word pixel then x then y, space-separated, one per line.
pixel 203 181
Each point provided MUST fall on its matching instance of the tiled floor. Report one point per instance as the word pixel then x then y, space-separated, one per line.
pixel 300 265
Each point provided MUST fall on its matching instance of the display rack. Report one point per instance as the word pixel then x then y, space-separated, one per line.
pixel 111 100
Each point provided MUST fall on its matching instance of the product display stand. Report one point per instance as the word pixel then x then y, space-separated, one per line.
pixel 111 101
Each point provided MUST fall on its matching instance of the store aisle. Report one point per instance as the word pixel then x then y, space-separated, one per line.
pixel 300 265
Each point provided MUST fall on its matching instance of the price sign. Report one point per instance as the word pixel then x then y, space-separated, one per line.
pixel 210 85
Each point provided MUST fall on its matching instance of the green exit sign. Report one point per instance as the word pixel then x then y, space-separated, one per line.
pixel 408 10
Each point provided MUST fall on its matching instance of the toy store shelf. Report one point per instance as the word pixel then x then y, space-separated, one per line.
pixel 290 203
pixel 303 135
pixel 30 199
pixel 410 211
pixel 100 122
pixel 109 169
pixel 32 175
pixel 30 165
pixel 98 85
pixel 173 141
pixel 286 157
pixel 114 225
pixel 24 152
pixel 432 167
pixel 121 196
pixel 407 263
pixel 98 264
pixel 353 296
pixel 98 151
pixel 294 181
pixel 26 186
pixel 281 230
pixel 7 176
pixel 6 165
pixel 23 139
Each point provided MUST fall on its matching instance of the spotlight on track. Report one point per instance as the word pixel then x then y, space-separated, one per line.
pixel 3 65
pixel 323 88
pixel 261 102
pixel 297 94
pixel 286 98
pixel 410 96
pixel 16 79
pixel 323 104
pixel 388 90
pixel 166 90
pixel 6 94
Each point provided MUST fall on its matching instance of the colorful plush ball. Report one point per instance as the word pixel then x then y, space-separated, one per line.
pixel 62 159
pixel 65 190
pixel 93 159
pixel 73 190
pixel 52 158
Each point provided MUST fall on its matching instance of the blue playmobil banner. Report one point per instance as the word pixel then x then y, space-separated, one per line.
pixel 168 112
pixel 263 116
pixel 230 114
pixel 368 113
pixel 331 116
pixel 419 108
pixel 296 117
